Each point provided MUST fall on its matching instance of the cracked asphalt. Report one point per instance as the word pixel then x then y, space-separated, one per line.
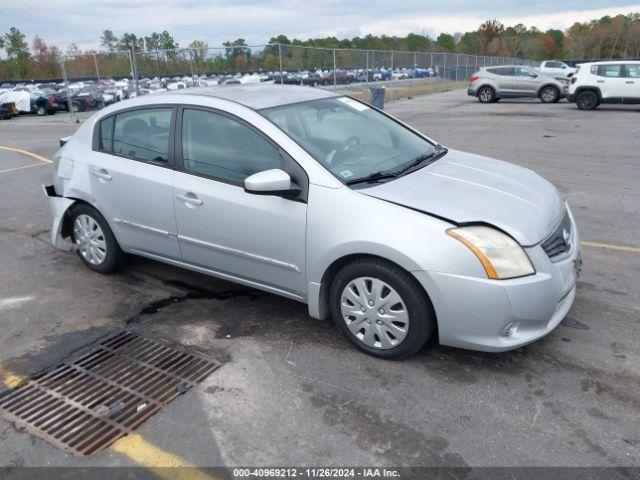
pixel 291 390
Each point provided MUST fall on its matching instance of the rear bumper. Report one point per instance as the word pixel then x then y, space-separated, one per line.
pixel 58 207
pixel 472 92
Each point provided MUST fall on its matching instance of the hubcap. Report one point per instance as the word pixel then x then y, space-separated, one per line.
pixel 549 95
pixel 586 100
pixel 485 95
pixel 89 239
pixel 374 312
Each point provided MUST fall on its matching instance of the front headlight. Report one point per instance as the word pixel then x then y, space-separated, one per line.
pixel 501 256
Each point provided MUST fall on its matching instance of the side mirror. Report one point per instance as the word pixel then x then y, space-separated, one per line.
pixel 271 182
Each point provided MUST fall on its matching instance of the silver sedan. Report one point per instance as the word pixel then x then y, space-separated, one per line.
pixel 323 199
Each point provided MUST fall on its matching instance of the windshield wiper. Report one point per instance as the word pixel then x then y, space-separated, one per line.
pixel 440 150
pixel 381 175
pixel 384 174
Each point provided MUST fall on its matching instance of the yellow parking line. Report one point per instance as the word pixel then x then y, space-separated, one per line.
pixel 21 168
pixel 610 246
pixel 161 463
pixel 10 379
pixel 25 152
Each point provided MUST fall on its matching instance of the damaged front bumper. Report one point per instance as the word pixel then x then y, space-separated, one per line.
pixel 59 206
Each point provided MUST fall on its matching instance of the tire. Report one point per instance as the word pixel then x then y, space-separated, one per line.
pixel 100 251
pixel 380 335
pixel 486 95
pixel 75 108
pixel 549 95
pixel 587 100
pixel 41 110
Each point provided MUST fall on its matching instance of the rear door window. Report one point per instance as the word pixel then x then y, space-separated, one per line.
pixel 143 134
pixel 504 71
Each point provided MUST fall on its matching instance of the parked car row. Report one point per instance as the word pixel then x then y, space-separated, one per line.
pixel 344 77
pixel 49 98
pixel 588 84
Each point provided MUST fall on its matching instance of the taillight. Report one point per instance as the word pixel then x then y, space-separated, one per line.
pixel 574 80
pixel 473 78
pixel 52 100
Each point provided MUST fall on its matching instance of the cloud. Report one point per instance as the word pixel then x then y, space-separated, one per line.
pixel 81 22
pixel 451 23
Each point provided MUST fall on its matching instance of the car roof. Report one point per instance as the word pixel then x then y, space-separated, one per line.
pixel 258 97
pixel 503 66
pixel 612 62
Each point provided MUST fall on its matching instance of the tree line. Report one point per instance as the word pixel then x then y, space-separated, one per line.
pixel 159 53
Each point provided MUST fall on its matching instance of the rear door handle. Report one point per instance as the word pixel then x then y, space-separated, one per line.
pixel 599 81
pixel 190 199
pixel 102 174
pixel 629 81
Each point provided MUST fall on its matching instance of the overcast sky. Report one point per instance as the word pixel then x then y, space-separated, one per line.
pixel 62 22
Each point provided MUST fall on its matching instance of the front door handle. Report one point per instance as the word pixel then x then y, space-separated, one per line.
pixel 629 81
pixel 102 174
pixel 190 199
pixel 599 81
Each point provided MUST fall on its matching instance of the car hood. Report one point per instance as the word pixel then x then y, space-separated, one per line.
pixel 466 188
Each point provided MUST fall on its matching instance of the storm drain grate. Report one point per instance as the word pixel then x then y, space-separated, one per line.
pixel 104 392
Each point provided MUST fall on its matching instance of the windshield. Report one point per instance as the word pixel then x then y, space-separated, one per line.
pixel 353 141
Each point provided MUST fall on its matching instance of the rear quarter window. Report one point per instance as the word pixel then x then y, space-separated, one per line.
pixel 105 142
pixel 633 70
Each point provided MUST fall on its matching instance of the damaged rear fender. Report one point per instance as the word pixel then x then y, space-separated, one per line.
pixel 58 207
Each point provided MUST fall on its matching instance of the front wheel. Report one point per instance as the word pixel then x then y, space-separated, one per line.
pixel 549 95
pixel 381 309
pixel 486 95
pixel 95 244
pixel 587 100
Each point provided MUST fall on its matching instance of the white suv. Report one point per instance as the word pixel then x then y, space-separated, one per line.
pixel 605 82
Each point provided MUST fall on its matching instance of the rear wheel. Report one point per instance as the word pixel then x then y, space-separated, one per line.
pixel 96 245
pixel 549 95
pixel 41 110
pixel 486 95
pixel 381 308
pixel 587 100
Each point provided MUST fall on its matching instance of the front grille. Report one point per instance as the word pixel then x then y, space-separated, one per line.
pixel 558 244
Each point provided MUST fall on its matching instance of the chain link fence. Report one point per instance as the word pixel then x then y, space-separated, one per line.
pixel 93 80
